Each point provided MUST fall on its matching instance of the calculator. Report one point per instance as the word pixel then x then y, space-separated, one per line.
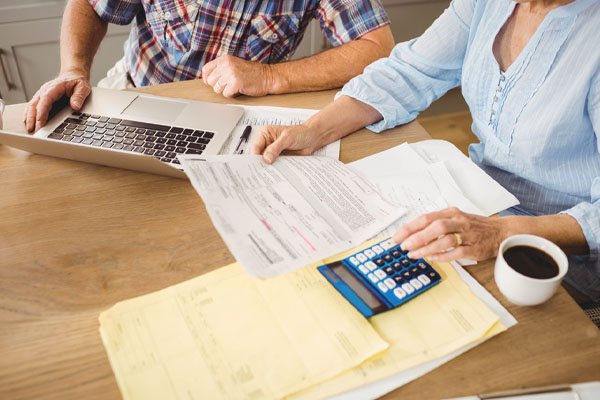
pixel 380 277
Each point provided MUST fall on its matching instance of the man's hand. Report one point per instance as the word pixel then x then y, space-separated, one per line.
pixel 231 76
pixel 272 140
pixel 74 85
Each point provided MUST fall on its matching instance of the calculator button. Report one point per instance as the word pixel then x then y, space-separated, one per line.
pixel 432 275
pixel 377 249
pixel 373 278
pixel 354 261
pixel 424 280
pixel 371 265
pixel 416 284
pixel 361 257
pixel 379 262
pixel 380 274
pixel 399 293
pixel 414 271
pixel 382 287
pixel 363 269
pixel 387 257
pixel 406 275
pixel 396 254
pixel 397 266
pixel 407 288
pixel 370 253
pixel 405 262
pixel 387 244
pixel 389 282
pixel 399 280
pixel 389 270
pixel 422 265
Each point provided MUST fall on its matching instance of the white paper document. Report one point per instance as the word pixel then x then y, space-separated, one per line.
pixel 257 116
pixel 297 211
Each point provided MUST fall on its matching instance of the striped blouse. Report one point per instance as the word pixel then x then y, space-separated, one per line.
pixel 538 122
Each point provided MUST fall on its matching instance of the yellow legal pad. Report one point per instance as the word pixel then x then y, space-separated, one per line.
pixel 226 335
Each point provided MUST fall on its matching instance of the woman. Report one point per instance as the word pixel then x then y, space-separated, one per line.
pixel 530 73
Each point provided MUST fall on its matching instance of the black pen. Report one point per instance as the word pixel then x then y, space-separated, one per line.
pixel 244 138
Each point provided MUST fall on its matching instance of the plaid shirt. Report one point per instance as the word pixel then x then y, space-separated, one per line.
pixel 172 39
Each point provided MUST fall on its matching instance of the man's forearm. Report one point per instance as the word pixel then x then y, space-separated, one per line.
pixel 80 36
pixel 332 68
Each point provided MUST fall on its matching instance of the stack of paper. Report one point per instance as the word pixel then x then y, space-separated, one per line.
pixel 226 335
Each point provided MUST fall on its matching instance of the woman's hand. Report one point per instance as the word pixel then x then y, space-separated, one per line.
pixel 451 234
pixel 272 140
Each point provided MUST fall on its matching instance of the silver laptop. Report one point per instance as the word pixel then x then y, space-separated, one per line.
pixel 133 131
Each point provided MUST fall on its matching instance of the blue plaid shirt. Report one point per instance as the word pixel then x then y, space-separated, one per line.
pixel 171 40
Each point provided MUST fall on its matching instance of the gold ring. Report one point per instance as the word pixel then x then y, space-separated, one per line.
pixel 458 239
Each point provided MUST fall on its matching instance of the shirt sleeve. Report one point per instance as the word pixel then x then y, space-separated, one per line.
pixel 417 72
pixel 343 21
pixel 120 12
pixel 588 213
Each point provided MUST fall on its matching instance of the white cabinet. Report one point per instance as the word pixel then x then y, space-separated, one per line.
pixel 29 47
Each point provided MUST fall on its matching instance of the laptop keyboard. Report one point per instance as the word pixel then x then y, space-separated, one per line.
pixel 160 141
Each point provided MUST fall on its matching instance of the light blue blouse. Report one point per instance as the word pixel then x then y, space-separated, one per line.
pixel 538 122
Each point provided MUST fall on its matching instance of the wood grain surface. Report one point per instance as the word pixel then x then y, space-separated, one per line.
pixel 75 238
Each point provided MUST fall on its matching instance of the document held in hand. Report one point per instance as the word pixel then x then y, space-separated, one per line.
pixel 280 217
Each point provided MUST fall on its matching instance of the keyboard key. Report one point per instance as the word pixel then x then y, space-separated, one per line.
pixel 380 274
pixel 396 254
pixel 130 135
pixel 398 280
pixel 389 270
pixel 150 132
pixel 203 141
pixel 399 293
pixel 150 139
pixel 397 266
pixel 161 140
pixel 117 146
pixel 100 130
pixel 389 282
pixel 377 249
pixel 97 143
pixel 371 265
pixel 188 131
pixel 416 283
pixel 175 130
pixel 405 262
pixel 145 125
pixel 202 147
pixel 117 140
pixel 373 278
pixel 408 288
pixel 171 136
pixel 119 134
pixel 160 153
pixel 422 266
pixel 103 119
pixel 379 262
pixel 198 133
pixel 111 132
pixel 170 148
pixel 159 146
pixel 130 129
pixel 140 131
pixel 354 261
pixel 387 244
pixel 414 271
pixel 363 269
pixel 172 142
pixel 369 253
pixel 171 155
pixel 108 145
pixel 160 134
pixel 57 136
pixel 90 129
pixel 67 138
pixel 148 145
pixel 208 135
pixel 87 141
pixel 90 123
pixel 128 141
pixel 76 140
pixel 120 128
pixel 182 143
pixel 139 149
pixel 406 275
pixel 138 143
pixel 181 137
pixel 382 287
pixel 179 150
pixel 361 257
pixel 149 152
pixel 193 151
pixel 128 148
pixel 424 280
pixel 114 121
pixel 100 125
pixel 97 136
pixel 387 257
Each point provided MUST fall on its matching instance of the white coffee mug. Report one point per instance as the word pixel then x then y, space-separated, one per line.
pixel 1 112
pixel 521 289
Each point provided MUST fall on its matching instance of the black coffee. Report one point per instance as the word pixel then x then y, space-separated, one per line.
pixel 531 262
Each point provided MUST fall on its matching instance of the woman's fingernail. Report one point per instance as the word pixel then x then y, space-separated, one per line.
pixel 414 255
pixel 268 158
pixel 407 244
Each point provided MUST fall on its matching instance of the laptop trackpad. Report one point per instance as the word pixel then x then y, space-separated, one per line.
pixel 146 107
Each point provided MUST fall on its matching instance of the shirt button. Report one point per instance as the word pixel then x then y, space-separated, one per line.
pixel 499 89
pixel 275 36
pixel 227 28
pixel 168 15
pixel 495 99
pixel 492 111
pixel 502 78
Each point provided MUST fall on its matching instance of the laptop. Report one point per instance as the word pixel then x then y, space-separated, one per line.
pixel 132 130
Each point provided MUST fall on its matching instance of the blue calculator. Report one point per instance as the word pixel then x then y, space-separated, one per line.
pixel 380 277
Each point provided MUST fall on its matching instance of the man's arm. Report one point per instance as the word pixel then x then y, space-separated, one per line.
pixel 81 33
pixel 231 75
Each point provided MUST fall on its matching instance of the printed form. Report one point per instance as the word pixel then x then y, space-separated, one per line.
pixel 280 217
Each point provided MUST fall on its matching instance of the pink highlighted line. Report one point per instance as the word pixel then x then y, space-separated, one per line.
pixel 267 225
pixel 302 236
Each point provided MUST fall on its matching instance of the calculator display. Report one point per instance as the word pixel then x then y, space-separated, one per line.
pixel 359 288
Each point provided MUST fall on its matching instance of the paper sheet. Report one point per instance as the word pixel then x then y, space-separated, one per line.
pixel 386 385
pixel 257 116
pixel 435 324
pixel 487 194
pixel 225 335
pixel 280 217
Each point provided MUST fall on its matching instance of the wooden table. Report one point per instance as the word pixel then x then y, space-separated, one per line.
pixel 75 238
